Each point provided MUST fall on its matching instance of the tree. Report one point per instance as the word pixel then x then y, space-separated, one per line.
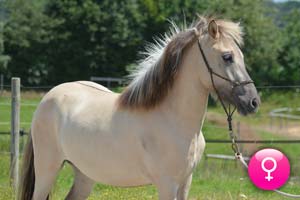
pixel 26 31
pixel 69 40
pixel 3 58
pixel 93 37
pixel 54 41
pixel 289 54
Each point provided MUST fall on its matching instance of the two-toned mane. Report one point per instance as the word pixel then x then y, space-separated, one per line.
pixel 105 140
pixel 156 74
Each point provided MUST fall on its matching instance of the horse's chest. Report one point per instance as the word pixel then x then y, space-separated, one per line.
pixel 188 156
pixel 195 151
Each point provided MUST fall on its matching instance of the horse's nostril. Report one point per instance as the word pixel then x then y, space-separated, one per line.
pixel 254 103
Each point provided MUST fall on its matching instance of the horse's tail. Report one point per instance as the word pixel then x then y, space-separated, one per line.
pixel 26 185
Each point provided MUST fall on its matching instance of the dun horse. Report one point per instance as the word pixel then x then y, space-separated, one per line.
pixel 150 133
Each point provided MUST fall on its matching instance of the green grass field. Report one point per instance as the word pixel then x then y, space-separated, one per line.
pixel 213 179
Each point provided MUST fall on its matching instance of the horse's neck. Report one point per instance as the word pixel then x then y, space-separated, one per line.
pixel 188 98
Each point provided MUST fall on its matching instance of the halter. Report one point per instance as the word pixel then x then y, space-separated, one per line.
pixel 228 110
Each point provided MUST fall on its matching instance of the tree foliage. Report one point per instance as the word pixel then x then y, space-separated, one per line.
pixel 289 54
pixel 3 58
pixel 53 41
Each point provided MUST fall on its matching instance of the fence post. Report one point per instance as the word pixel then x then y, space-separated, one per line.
pixel 238 129
pixel 271 122
pixel 280 122
pixel 15 130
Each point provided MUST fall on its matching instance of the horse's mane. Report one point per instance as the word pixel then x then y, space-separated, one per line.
pixel 156 74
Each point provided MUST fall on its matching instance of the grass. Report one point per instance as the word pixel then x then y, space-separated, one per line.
pixel 213 179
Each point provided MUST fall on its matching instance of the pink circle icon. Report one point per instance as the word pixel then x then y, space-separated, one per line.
pixel 269 169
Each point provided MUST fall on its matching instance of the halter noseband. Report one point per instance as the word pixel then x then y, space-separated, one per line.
pixel 228 111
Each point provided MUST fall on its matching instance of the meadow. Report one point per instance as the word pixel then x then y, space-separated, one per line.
pixel 213 179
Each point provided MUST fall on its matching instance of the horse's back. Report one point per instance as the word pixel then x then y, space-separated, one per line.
pixel 93 85
pixel 69 95
pixel 76 90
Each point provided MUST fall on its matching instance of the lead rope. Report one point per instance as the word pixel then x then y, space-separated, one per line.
pixel 229 113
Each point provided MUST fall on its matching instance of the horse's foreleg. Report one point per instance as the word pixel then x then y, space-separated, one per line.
pixel 183 190
pixel 81 188
pixel 167 190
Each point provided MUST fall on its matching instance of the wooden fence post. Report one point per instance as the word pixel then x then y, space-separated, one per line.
pixel 15 131
pixel 280 122
pixel 271 122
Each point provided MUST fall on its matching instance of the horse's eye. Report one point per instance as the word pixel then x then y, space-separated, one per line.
pixel 227 57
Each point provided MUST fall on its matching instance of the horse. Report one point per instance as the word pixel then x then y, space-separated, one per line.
pixel 151 132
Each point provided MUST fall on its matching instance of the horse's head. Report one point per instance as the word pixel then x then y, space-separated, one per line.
pixel 224 70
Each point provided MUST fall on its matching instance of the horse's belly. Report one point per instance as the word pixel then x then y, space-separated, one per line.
pixel 115 174
pixel 106 161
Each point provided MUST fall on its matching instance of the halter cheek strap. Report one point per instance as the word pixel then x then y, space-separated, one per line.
pixel 228 110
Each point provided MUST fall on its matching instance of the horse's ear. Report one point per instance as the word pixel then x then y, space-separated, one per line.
pixel 213 29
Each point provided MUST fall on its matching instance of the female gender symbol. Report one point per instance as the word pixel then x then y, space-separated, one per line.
pixel 269 161
pixel 269 177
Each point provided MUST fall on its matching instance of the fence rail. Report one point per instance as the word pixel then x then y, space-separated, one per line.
pixel 108 80
pixel 278 112
pixel 277 86
pixel 254 141
pixel 22 133
pixel 224 157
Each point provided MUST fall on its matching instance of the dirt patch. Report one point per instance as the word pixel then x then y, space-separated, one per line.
pixel 294 130
pixel 283 127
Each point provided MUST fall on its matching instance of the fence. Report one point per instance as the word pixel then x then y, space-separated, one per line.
pixel 283 115
pixel 108 80
pixel 17 126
